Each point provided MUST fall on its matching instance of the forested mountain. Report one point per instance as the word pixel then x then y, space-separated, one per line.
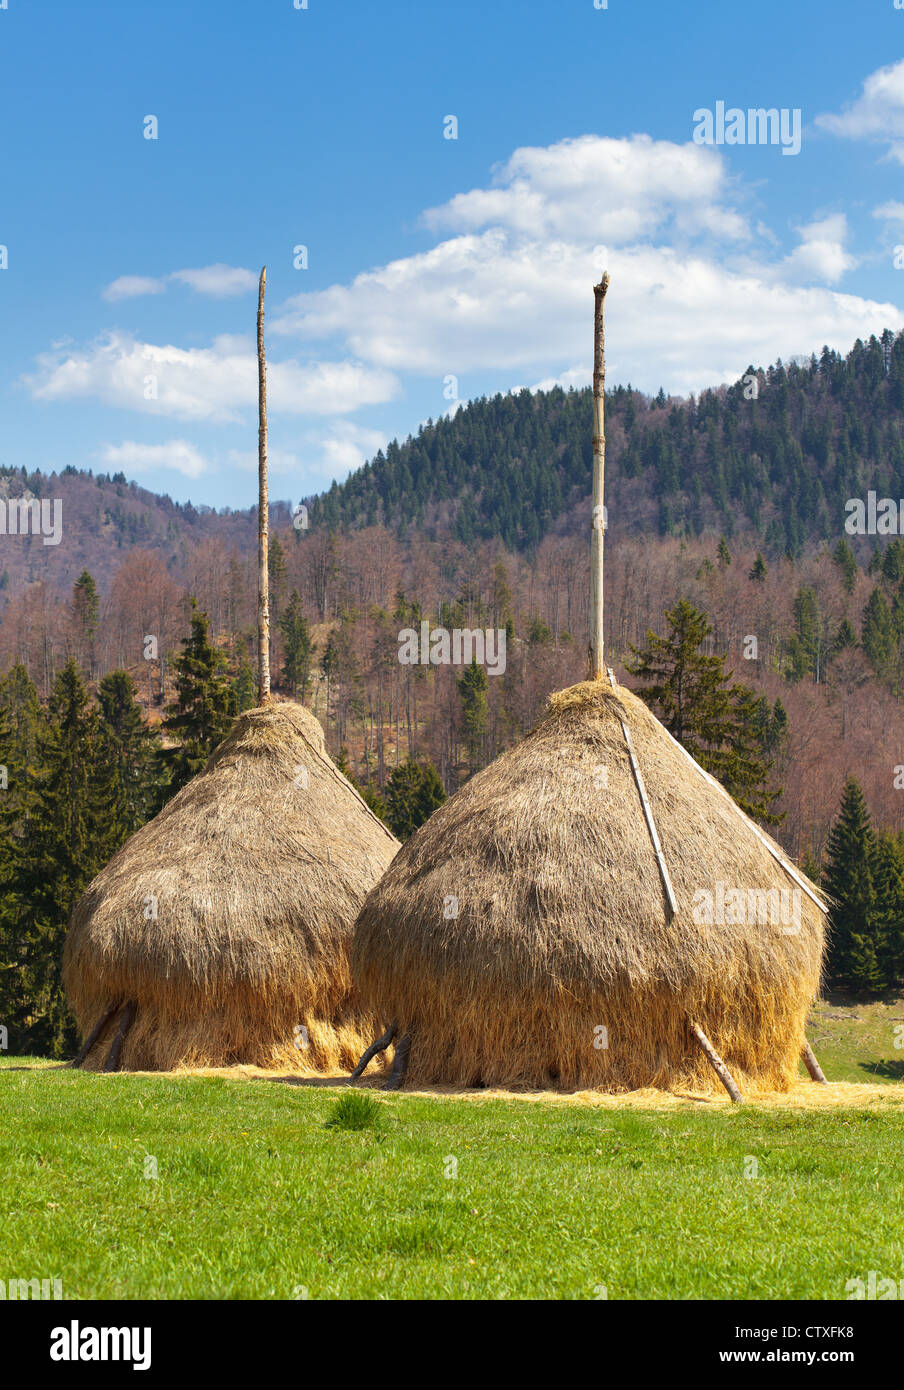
pixel 126 649
pixel 777 455
pixel 105 516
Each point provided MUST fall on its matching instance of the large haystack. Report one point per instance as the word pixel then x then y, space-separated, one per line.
pixel 227 919
pixel 530 914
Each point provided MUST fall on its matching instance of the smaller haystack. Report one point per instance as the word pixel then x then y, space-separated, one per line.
pixel 524 936
pixel 220 931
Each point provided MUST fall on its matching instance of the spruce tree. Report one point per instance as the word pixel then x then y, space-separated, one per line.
pixel 472 688
pixel 846 561
pixel 758 570
pixel 85 618
pixel 129 761
pixel 848 879
pixel 878 634
pixel 888 880
pixel 413 792
pixel 62 846
pixel 201 715
pixel 718 722
pixel 298 649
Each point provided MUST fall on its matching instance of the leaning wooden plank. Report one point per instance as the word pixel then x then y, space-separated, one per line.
pixel 94 1036
pixel 812 1065
pixel 716 1063
pixel 125 1023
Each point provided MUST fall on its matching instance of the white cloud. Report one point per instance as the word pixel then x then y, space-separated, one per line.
pixel 347 446
pixel 821 254
pixel 215 281
pixel 177 455
pixel 218 281
pixel 890 212
pixel 877 114
pixel 695 295
pixel 598 189
pixel 214 383
pixel 132 286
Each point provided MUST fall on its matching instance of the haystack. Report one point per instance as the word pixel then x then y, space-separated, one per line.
pixel 227 919
pixel 592 909
pixel 220 932
pixel 523 937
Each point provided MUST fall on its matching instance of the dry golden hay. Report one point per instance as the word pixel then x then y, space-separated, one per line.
pixel 521 937
pixel 228 918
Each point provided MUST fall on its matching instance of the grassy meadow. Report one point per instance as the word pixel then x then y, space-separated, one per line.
pixel 249 1187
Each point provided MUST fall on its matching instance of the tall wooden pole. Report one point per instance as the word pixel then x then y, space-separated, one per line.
pixel 597 535
pixel 263 510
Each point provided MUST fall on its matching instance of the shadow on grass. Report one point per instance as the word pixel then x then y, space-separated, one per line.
pixel 892 1071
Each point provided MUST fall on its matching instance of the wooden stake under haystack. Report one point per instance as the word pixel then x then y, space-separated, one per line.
pixel 220 932
pixel 575 956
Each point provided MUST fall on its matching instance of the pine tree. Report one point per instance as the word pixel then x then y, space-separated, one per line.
pixel 848 880
pixel 805 644
pixel 85 618
pixel 298 649
pixel 201 716
pixel 61 847
pixel 276 566
pixel 723 554
pixel 758 570
pixel 413 792
pixel 888 880
pixel 128 762
pixel 878 634
pixel 472 688
pixel 846 561
pixel 718 722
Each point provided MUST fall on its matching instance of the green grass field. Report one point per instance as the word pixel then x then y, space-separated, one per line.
pixel 258 1195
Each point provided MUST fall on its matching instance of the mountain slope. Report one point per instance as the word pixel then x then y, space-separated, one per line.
pixel 776 455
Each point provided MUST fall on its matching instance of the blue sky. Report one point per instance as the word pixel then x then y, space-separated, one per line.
pixel 428 258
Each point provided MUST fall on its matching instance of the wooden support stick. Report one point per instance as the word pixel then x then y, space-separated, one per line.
pixel 812 1065
pixel 779 859
pixel 597 529
pixel 94 1036
pixel 399 1064
pixel 379 1046
pixel 263 509
pixel 651 824
pixel 716 1063
pixel 125 1023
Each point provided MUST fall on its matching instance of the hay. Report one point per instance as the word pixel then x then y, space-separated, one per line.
pixel 255 870
pixel 562 929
